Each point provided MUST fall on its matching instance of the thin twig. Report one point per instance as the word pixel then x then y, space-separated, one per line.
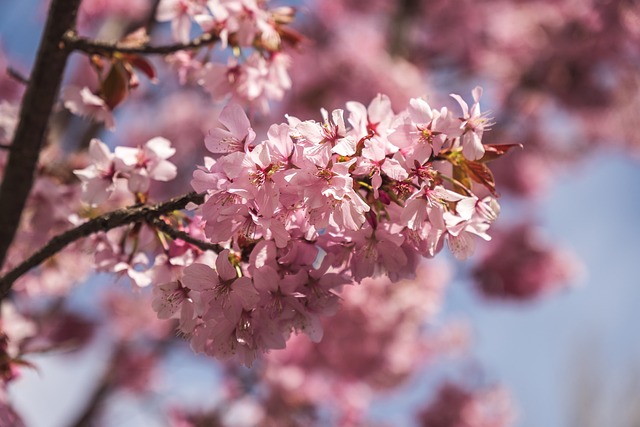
pixel 96 47
pixel 104 222
pixel 178 234
pixel 17 76
pixel 5 146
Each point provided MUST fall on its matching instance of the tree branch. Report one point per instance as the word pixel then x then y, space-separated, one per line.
pixel 35 110
pixel 96 47
pixel 104 222
pixel 178 234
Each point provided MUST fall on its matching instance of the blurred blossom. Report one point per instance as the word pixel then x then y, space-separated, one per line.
pixel 528 174
pixel 522 264
pixel 15 332
pixel 95 12
pixel 134 369
pixel 358 68
pixel 309 208
pixel 8 121
pixel 8 416
pixel 64 330
pixel 15 327
pixel 374 342
pixel 10 88
pixel 457 406
pixel 132 316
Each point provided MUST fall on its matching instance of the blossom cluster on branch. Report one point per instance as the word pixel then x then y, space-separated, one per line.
pixel 311 208
pixel 255 72
pixel 307 227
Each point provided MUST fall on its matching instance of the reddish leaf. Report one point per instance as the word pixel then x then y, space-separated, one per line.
pixel 115 86
pixel 480 173
pixel 141 64
pixel 494 151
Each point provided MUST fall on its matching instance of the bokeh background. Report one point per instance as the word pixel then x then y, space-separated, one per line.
pixel 561 78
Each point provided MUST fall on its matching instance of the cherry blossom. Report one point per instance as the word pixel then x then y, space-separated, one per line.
pixel 314 207
pixel 140 165
pixel 180 13
pixel 83 102
pixel 300 246
pixel 474 123
pixel 98 178
pixel 137 166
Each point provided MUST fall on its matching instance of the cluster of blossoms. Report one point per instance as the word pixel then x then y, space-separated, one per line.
pixel 136 166
pixel 377 339
pixel 237 22
pixel 128 170
pixel 256 72
pixel 247 25
pixel 317 206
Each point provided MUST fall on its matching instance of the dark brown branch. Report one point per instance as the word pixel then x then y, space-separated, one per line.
pixel 35 110
pixel 104 222
pixel 96 47
pixel 178 234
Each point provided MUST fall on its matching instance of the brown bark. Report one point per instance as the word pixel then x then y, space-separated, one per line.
pixel 96 47
pixel 38 101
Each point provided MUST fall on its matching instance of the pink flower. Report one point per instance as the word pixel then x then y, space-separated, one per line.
pixel 254 81
pixel 321 140
pixel 136 268
pixel 237 134
pixel 263 79
pixel 232 293
pixel 168 299
pixel 97 178
pixel 15 327
pixel 376 119
pixel 324 284
pixel 427 205
pixel 330 197
pixel 376 252
pixel 423 131
pixel 140 165
pixel 374 162
pixel 179 12
pixel 474 123
pixel 279 296
pixel 85 103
